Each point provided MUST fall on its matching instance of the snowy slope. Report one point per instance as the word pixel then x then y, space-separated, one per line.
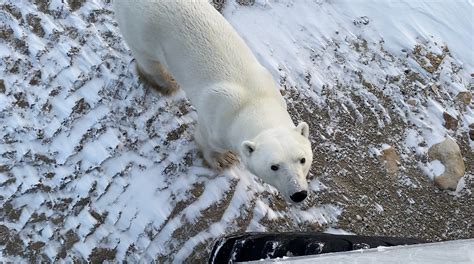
pixel 95 166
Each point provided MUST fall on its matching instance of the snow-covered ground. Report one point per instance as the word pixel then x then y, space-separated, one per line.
pixel 95 166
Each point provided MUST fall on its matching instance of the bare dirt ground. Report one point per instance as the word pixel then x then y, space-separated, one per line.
pixel 78 132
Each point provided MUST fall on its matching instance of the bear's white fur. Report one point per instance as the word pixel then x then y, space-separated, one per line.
pixel 238 103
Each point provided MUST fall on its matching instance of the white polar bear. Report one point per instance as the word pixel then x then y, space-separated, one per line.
pixel 188 44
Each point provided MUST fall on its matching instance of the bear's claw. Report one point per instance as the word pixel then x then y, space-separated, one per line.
pixel 226 160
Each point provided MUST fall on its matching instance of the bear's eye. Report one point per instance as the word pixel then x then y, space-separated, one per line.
pixel 302 161
pixel 274 167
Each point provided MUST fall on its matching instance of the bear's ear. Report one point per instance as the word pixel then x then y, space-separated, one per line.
pixel 248 147
pixel 303 129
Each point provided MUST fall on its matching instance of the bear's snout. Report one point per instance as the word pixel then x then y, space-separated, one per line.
pixel 299 196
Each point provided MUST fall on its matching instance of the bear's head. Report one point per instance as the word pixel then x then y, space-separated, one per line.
pixel 281 157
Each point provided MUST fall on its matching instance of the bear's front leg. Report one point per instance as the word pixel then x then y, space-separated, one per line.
pixel 215 160
pixel 154 75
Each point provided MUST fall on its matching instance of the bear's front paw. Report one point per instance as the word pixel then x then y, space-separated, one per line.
pixel 167 85
pixel 226 160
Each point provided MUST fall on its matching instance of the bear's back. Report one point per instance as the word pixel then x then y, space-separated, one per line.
pixel 190 38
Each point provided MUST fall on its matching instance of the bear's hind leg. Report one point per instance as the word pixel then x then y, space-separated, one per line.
pixel 154 74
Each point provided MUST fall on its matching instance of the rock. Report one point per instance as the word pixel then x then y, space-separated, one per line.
pixel 464 97
pixel 450 122
pixel 390 159
pixel 449 154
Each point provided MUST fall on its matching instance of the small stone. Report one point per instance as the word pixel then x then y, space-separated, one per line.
pixel 464 97
pixel 412 102
pixel 218 4
pixel 21 100
pixel 449 154
pixel 246 2
pixel 363 20
pixel 471 131
pixel 450 122
pixel 81 106
pixel 75 4
pixel 435 88
pixel 4 234
pixel 2 86
pixel 35 23
pixel 391 160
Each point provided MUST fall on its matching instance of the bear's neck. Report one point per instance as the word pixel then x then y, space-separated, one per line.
pixel 257 117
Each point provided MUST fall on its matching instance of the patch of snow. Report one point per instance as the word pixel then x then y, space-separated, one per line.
pixel 435 169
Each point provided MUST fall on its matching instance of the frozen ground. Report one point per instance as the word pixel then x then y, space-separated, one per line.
pixel 94 166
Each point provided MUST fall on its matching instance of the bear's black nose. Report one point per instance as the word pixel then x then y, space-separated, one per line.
pixel 299 196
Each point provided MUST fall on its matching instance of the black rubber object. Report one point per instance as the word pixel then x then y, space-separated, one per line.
pixel 256 246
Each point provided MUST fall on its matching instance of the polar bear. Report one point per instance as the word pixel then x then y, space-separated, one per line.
pixel 188 44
